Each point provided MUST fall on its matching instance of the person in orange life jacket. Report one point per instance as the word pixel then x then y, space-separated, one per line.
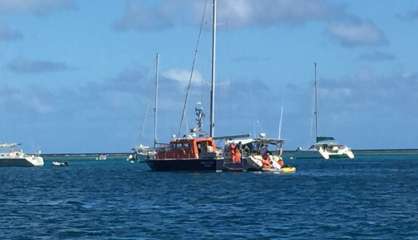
pixel 235 153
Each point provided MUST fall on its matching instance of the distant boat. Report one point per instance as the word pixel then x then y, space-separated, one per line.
pixel 327 147
pixel 60 163
pixel 101 157
pixel 12 156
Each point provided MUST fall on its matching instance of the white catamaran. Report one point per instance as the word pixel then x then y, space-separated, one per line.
pixel 12 156
pixel 327 147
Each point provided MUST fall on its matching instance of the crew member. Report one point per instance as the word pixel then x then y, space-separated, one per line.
pixel 266 161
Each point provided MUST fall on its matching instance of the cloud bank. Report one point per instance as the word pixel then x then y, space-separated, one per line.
pixel 36 7
pixel 231 13
pixel 346 29
pixel 27 66
pixel 8 34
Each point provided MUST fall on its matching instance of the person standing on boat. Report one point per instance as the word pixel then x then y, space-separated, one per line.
pixel 266 161
pixel 235 153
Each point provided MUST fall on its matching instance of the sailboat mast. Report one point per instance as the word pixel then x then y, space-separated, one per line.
pixel 316 103
pixel 157 62
pixel 212 91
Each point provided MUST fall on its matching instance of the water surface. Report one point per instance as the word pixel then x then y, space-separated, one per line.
pixel 368 198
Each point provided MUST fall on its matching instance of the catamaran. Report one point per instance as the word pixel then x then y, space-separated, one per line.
pixel 327 147
pixel 12 156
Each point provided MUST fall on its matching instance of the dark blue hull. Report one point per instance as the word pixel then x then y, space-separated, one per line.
pixel 15 162
pixel 186 164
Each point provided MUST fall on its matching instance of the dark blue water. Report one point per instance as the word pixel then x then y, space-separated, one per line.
pixel 368 198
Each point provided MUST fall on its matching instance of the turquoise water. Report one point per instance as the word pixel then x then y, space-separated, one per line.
pixel 368 198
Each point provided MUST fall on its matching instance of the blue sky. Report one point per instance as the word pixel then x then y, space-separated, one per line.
pixel 77 76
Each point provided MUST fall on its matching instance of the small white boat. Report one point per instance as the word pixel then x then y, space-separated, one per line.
pixel 12 156
pixel 60 163
pixel 141 153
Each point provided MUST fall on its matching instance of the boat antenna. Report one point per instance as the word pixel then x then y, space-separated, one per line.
pixel 316 103
pixel 157 62
pixel 212 91
pixel 280 123
pixel 144 121
pixel 189 85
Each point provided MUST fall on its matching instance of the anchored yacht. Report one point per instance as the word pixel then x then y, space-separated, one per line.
pixel 12 156
pixel 328 148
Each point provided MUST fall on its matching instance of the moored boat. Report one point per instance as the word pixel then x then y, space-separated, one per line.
pixel 187 154
pixel 12 156
pixel 195 151
pixel 254 154
pixel 327 147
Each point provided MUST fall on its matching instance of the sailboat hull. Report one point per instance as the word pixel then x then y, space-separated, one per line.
pixel 185 164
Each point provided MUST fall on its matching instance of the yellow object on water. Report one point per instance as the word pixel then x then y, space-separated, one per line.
pixel 288 170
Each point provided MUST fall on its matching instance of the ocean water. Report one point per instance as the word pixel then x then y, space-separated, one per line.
pixel 368 198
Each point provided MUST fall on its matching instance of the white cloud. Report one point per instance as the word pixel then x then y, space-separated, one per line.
pixel 182 76
pixel 356 33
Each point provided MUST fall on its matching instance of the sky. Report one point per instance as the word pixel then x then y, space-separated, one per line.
pixel 78 76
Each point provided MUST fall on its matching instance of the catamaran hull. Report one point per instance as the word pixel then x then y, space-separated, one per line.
pixel 186 165
pixel 20 162
pixel 336 155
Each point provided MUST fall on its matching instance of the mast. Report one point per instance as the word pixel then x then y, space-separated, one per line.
pixel 157 62
pixel 212 91
pixel 316 103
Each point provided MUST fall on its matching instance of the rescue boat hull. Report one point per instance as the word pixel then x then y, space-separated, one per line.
pixel 185 164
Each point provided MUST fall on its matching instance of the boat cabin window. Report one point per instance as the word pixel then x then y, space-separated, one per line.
pixel 202 147
pixel 182 146
pixel 205 147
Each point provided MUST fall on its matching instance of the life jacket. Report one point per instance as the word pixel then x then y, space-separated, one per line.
pixel 235 153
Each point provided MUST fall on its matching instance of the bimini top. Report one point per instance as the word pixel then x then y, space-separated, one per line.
pixel 273 141
pixel 325 139
pixel 9 145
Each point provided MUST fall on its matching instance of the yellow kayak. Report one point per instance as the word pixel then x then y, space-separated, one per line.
pixel 288 170
pixel 282 170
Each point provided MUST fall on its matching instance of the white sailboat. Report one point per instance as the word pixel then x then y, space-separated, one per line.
pixel 327 147
pixel 142 152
